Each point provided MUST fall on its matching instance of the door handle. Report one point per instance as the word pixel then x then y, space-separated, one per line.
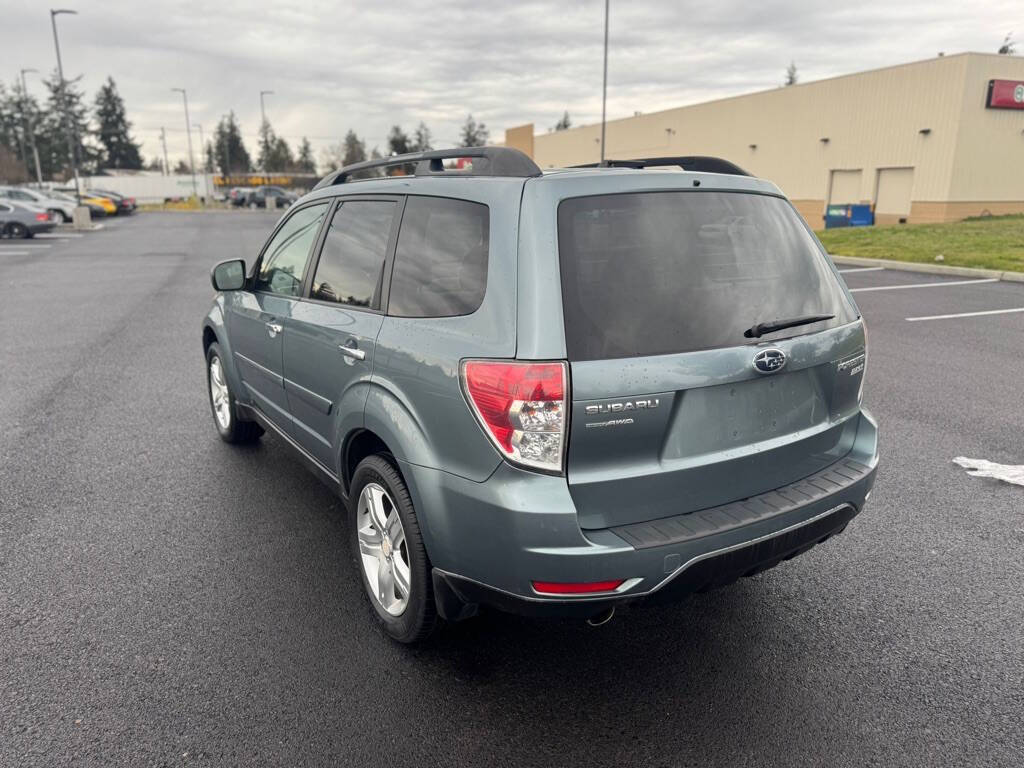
pixel 274 328
pixel 349 349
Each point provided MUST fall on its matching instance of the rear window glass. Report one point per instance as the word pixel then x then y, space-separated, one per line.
pixel 441 258
pixel 664 272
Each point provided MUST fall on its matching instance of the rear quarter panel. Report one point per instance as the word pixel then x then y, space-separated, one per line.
pixel 415 402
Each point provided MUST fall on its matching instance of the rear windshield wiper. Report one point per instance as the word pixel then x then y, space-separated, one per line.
pixel 761 329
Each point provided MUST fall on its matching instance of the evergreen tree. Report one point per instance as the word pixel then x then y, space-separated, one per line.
pixel 305 162
pixel 398 141
pixel 120 150
pixel 1008 47
pixel 229 150
pixel 354 149
pixel 565 123
pixel 63 112
pixel 474 134
pixel 421 139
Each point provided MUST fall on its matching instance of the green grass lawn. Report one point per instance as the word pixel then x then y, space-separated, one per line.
pixel 991 242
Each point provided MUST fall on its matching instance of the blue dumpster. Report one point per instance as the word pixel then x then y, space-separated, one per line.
pixel 849 215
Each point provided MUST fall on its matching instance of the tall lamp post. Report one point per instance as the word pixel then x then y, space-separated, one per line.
pixel 29 128
pixel 188 132
pixel 54 13
pixel 206 167
pixel 604 84
pixel 263 127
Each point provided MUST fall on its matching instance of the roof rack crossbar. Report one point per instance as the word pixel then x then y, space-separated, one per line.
pixel 497 161
pixel 695 163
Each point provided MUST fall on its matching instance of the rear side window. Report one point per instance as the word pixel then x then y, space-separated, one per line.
pixel 664 272
pixel 441 258
pixel 352 259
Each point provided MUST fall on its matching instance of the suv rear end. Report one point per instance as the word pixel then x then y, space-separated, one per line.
pixel 688 453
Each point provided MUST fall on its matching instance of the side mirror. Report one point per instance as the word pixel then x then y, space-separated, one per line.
pixel 228 275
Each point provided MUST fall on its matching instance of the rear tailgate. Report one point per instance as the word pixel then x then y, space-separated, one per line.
pixel 669 412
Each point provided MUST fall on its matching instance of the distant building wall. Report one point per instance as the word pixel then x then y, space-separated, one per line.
pixel 918 134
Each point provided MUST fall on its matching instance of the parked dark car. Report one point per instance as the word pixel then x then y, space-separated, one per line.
pixel 270 197
pixel 550 393
pixel 23 220
pixel 125 205
pixel 238 196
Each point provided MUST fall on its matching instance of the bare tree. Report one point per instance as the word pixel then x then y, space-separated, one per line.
pixel 1008 46
pixel 791 75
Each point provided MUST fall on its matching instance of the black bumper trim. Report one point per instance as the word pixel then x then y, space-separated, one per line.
pixel 708 522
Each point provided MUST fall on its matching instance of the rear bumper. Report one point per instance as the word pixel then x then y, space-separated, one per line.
pixel 489 541
pixel 459 597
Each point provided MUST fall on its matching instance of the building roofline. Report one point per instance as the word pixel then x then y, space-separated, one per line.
pixel 748 94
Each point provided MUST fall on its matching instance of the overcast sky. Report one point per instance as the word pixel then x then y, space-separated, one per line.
pixel 336 65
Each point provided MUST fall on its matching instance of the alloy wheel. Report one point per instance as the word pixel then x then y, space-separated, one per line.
pixel 219 394
pixel 383 551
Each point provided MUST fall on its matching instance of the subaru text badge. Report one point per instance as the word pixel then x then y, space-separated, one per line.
pixel 769 360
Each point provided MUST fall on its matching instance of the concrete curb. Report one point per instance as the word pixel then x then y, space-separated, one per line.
pixel 932 269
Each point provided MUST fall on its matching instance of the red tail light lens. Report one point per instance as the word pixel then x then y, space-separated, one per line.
pixel 522 408
pixel 576 588
pixel 42 217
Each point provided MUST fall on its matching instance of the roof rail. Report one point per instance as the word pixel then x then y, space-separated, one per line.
pixel 497 161
pixel 695 163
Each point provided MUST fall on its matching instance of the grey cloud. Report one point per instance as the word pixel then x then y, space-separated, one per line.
pixel 335 66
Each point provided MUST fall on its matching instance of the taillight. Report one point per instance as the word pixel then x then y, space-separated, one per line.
pixel 522 408
pixel 42 217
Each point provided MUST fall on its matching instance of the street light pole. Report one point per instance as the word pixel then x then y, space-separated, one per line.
pixel 604 85
pixel 30 129
pixel 54 13
pixel 226 121
pixel 163 141
pixel 188 132
pixel 263 128
pixel 206 167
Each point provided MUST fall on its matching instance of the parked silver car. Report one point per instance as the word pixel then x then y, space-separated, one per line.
pixel 60 206
pixel 21 220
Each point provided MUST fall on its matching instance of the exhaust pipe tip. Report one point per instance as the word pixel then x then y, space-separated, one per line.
pixel 601 618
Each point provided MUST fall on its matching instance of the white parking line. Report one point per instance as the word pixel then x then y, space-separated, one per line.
pixel 967 314
pixel 59 236
pixel 860 269
pixel 15 253
pixel 25 245
pixel 927 285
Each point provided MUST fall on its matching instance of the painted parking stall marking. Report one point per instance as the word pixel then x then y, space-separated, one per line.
pixel 861 269
pixel 967 314
pixel 935 284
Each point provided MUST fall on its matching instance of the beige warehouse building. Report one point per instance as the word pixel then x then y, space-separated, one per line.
pixel 924 141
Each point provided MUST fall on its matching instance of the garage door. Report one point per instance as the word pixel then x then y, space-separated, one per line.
pixel 894 187
pixel 845 187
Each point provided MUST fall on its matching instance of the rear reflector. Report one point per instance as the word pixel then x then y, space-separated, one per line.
pixel 522 408
pixel 576 588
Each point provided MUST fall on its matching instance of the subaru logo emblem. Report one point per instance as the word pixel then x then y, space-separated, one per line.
pixel 769 360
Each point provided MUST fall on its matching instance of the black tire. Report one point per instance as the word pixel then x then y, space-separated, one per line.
pixel 64 218
pixel 236 430
pixel 419 619
pixel 17 231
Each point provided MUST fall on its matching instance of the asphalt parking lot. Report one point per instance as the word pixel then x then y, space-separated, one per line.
pixel 167 599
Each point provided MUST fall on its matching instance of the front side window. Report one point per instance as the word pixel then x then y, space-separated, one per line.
pixel 284 260
pixel 441 258
pixel 352 259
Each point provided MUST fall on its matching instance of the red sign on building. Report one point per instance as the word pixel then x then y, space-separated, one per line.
pixel 1005 94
